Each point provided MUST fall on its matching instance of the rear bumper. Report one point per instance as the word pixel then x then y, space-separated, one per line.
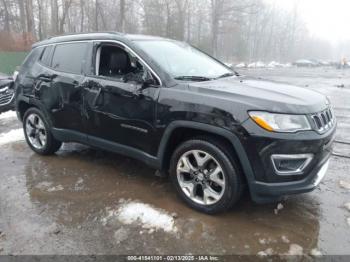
pixel 270 192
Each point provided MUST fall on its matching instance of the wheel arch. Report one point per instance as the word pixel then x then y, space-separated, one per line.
pixel 24 103
pixel 181 130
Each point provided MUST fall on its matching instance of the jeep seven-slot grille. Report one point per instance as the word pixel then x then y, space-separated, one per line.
pixel 6 97
pixel 323 120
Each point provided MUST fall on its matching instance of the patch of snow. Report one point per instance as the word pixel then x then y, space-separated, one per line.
pixel 11 136
pixel 279 207
pixel 347 206
pixel 344 184
pixel 79 185
pixel 316 253
pixel 145 215
pixel 258 64
pixel 266 241
pixel 274 64
pixel 267 252
pixel 288 65
pixel 8 115
pixel 55 189
pixel 241 65
pixel 295 250
pixel 262 241
pixel 44 185
pixel 148 216
pixel 285 240
pixel 348 220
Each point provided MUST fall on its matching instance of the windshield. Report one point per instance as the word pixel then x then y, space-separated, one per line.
pixel 182 61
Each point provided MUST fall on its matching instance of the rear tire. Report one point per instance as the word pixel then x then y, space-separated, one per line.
pixel 38 134
pixel 206 176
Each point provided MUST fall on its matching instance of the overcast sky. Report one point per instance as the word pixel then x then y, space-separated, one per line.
pixel 327 19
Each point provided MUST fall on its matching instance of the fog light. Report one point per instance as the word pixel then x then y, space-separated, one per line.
pixel 291 164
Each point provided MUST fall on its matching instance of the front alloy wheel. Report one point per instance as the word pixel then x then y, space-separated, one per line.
pixel 201 177
pixel 206 175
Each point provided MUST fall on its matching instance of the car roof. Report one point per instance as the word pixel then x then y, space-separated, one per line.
pixel 96 36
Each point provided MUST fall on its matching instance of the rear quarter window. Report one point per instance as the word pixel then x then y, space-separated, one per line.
pixel 46 56
pixel 70 58
pixel 32 58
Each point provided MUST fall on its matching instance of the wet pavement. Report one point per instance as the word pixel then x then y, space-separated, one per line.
pixel 76 201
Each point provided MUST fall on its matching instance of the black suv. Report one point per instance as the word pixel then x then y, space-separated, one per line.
pixel 179 110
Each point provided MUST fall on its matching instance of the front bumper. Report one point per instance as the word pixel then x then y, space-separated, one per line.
pixel 268 185
pixel 267 192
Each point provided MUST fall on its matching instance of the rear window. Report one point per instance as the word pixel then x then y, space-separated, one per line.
pixel 46 56
pixel 70 58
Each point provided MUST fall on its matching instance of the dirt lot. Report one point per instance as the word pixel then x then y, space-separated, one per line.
pixel 84 201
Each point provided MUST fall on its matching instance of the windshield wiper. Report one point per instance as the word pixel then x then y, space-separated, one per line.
pixel 193 78
pixel 228 75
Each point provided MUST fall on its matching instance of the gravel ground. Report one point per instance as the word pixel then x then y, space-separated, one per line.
pixel 85 201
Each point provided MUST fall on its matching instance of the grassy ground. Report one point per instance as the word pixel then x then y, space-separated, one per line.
pixel 9 61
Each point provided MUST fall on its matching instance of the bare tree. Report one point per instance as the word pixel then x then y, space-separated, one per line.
pixel 232 30
pixel 54 17
pixel 6 16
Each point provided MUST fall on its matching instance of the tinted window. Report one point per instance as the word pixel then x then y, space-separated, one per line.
pixel 46 56
pixel 32 57
pixel 70 57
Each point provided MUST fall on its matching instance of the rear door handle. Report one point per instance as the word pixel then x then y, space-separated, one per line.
pixel 94 102
pixel 46 78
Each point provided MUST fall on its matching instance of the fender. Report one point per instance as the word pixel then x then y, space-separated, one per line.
pixel 241 154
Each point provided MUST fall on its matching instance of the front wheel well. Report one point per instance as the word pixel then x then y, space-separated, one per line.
pixel 182 134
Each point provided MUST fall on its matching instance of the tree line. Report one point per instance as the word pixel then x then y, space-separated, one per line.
pixel 232 30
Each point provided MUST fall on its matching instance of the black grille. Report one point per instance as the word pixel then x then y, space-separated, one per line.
pixel 6 97
pixel 324 120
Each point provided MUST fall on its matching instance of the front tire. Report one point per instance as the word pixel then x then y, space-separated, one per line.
pixel 205 176
pixel 37 133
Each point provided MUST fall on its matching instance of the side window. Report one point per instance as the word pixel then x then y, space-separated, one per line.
pixel 70 58
pixel 114 61
pixel 32 57
pixel 46 56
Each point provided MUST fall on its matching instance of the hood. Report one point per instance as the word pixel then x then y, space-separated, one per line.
pixel 5 82
pixel 257 94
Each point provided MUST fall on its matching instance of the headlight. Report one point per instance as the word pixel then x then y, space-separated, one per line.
pixel 280 122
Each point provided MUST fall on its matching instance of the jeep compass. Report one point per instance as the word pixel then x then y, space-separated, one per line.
pixel 178 110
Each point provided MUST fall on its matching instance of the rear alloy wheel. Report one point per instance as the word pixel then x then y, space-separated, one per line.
pixel 36 131
pixel 205 176
pixel 38 134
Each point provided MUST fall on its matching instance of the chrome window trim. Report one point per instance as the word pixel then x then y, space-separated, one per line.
pixel 308 158
pixel 109 41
